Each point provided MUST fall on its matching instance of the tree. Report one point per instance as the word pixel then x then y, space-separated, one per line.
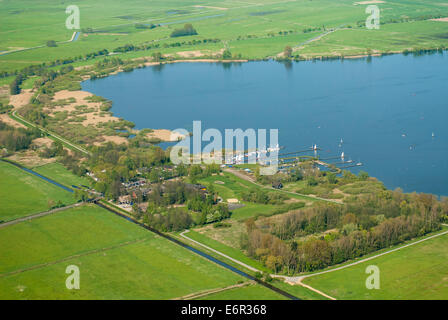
pixel 227 54
pixel 287 52
pixel 187 30
pixel 51 43
pixel 362 175
pixel 157 56
pixel 332 178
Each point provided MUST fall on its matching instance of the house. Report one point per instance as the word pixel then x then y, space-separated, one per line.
pixel 92 175
pixel 124 199
pixel 277 185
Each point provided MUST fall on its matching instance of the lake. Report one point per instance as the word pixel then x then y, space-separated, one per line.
pixel 386 109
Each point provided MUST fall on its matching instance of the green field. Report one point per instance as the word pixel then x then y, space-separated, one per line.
pixel 232 252
pixel 24 194
pixel 117 260
pixel 58 172
pixel 416 272
pixel 256 30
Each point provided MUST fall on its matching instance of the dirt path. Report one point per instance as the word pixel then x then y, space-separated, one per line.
pixel 38 215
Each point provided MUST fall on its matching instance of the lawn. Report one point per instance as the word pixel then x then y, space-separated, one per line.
pixel 230 251
pixel 117 260
pixel 416 272
pixel 59 173
pixel 24 194
pixel 253 210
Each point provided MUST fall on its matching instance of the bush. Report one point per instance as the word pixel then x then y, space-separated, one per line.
pixel 187 30
pixel 51 43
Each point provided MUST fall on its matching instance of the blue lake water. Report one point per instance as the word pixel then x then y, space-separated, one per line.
pixel 385 109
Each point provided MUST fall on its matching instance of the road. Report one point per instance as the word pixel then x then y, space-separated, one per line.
pixel 64 141
pixel 73 38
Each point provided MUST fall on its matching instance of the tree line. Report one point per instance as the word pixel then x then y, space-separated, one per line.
pixel 325 235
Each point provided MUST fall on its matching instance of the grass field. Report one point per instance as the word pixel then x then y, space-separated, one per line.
pixel 232 252
pixel 58 172
pixel 116 258
pixel 256 29
pixel 416 272
pixel 24 194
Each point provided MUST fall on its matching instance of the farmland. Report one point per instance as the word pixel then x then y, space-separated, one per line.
pixel 58 172
pixel 25 194
pixel 253 30
pixel 298 221
pixel 116 260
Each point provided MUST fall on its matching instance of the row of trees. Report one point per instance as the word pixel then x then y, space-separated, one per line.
pixel 318 253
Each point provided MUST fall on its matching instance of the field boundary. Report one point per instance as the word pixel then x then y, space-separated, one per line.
pixel 46 264
pixel 38 215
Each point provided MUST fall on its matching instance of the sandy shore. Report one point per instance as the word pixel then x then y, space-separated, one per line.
pixel 92 118
pixel 165 135
pixel 440 19
pixel 21 99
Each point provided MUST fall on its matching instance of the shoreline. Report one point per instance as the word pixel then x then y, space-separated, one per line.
pixel 167 135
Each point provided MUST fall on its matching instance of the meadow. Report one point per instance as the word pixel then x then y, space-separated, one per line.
pixel 117 260
pixel 416 272
pixel 253 30
pixel 58 172
pixel 24 194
